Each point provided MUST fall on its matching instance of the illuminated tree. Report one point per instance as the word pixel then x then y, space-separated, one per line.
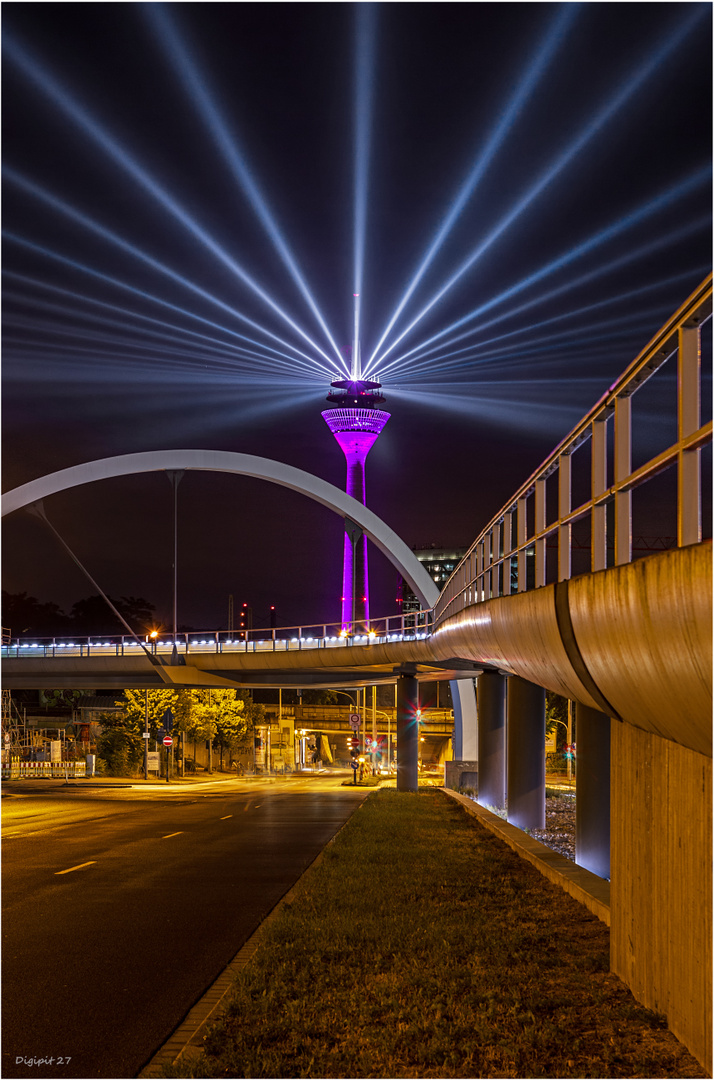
pixel 121 742
pixel 226 717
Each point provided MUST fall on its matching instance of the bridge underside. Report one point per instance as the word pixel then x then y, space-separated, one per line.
pixel 318 668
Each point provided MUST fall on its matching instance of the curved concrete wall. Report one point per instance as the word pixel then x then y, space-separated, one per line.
pixel 633 641
pixel 645 633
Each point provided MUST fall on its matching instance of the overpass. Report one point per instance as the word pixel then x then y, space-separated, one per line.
pixel 628 641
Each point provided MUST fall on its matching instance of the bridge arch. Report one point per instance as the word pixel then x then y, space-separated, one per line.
pixel 275 472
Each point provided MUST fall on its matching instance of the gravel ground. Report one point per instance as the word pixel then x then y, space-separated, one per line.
pixel 559 831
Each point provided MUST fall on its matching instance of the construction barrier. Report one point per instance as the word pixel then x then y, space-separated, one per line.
pixel 31 770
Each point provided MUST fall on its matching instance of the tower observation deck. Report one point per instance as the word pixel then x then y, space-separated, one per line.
pixel 356 421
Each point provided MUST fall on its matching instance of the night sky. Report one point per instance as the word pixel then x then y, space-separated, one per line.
pixel 163 167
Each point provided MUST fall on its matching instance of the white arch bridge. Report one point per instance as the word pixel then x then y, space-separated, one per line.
pixel 628 640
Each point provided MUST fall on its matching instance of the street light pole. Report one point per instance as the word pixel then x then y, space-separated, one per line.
pixel 174 477
pixel 570 739
pixel 146 734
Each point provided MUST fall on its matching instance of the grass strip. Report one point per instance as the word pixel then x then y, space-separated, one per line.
pixel 422 946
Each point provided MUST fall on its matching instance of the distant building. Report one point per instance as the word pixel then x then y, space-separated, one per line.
pixel 439 563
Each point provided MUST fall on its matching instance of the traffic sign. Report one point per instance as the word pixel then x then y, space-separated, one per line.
pixel 168 741
pixel 355 720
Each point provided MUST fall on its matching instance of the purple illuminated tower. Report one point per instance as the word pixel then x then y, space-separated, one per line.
pixel 356 423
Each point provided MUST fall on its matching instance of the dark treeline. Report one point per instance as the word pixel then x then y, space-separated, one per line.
pixel 24 615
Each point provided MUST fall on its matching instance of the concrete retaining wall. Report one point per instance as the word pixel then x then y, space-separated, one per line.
pixel 661 881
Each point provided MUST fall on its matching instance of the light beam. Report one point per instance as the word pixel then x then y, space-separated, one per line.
pixel 203 100
pixel 592 128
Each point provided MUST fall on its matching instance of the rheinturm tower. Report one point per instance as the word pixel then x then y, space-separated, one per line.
pixel 356 422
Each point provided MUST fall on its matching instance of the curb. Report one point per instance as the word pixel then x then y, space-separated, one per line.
pixel 584 886
pixel 189 1033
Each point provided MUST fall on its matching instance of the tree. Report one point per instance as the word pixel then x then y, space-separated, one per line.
pixel 121 742
pixel 556 716
pixel 322 697
pixel 227 717
pixel 25 614
pixel 92 615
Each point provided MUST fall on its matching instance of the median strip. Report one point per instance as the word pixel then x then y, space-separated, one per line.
pixel 82 864
pixel 421 945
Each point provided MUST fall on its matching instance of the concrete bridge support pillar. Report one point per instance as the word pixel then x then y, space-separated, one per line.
pixel 407 733
pixel 491 705
pixel 592 804
pixel 526 754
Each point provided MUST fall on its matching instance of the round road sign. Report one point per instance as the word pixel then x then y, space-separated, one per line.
pixel 168 741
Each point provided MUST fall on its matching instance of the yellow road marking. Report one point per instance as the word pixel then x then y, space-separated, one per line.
pixel 168 835
pixel 90 863
pixel 226 817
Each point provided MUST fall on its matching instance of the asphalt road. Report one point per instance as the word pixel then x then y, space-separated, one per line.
pixel 121 907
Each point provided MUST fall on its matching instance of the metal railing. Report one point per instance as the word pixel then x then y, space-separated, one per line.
pixel 284 639
pixel 510 553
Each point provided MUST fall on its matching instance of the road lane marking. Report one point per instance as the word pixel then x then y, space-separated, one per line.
pixel 90 863
pixel 169 835
pixel 226 817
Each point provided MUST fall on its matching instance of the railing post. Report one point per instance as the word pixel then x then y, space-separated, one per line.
pixel 487 566
pixel 478 576
pixel 623 468
pixel 598 517
pixel 521 526
pixel 689 507
pixel 495 554
pixel 539 527
pixel 565 463
pixel 507 546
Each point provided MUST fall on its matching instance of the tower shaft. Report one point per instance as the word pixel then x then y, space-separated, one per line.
pixel 356 430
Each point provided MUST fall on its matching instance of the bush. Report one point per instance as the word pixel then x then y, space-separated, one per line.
pixel 116 749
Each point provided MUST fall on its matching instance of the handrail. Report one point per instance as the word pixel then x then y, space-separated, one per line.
pixel 500 551
pixel 274 639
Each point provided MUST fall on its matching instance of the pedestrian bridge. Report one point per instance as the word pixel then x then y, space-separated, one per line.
pixel 629 641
